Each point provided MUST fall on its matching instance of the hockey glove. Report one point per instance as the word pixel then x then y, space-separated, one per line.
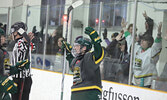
pixel 69 57
pixel 7 85
pixel 66 46
pixel 18 67
pixel 22 64
pixel 93 35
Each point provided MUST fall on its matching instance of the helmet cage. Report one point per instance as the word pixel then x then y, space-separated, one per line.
pixel 84 42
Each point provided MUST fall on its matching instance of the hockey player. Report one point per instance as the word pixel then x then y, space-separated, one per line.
pixel 146 57
pixel 2 42
pixel 85 66
pixel 21 51
pixel 3 88
pixel 6 85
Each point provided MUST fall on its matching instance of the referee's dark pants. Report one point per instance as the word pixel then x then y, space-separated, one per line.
pixel 91 94
pixel 26 88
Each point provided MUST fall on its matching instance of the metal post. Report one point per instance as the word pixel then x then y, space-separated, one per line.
pixel 27 15
pixel 47 22
pixel 60 10
pixel 100 18
pixel 96 12
pixel 8 19
pixel 113 23
pixel 133 44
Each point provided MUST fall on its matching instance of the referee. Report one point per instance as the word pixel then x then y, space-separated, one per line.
pixel 21 51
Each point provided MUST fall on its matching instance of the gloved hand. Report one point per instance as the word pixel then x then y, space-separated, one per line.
pixel 7 85
pixel 22 64
pixel 67 46
pixel 18 67
pixel 93 35
pixel 69 57
pixel 105 34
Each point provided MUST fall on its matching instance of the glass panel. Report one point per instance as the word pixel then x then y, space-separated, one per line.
pixel 33 24
pixel 113 12
pixel 3 16
pixel 55 13
pixel 53 56
pixel 94 15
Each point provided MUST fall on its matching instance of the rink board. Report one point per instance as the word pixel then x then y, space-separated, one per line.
pixel 47 86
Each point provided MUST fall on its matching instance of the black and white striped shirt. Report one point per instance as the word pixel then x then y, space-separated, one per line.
pixel 21 51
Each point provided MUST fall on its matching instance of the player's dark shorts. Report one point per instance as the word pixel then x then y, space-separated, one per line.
pixel 86 95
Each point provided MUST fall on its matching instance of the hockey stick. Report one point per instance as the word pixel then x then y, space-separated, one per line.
pixel 70 8
pixel 21 89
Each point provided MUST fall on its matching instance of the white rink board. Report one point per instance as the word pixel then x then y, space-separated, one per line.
pixel 47 86
pixel 117 91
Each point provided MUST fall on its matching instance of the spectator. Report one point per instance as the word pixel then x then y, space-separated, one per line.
pixel 117 69
pixel 52 47
pixel 11 43
pixel 146 57
pixel 4 54
pixel 124 60
pixel 59 43
pixel 113 36
pixel 128 33
pixel 112 48
pixel 37 40
pixel 3 26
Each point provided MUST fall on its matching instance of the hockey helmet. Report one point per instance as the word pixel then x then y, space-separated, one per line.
pixel 84 42
pixel 16 26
